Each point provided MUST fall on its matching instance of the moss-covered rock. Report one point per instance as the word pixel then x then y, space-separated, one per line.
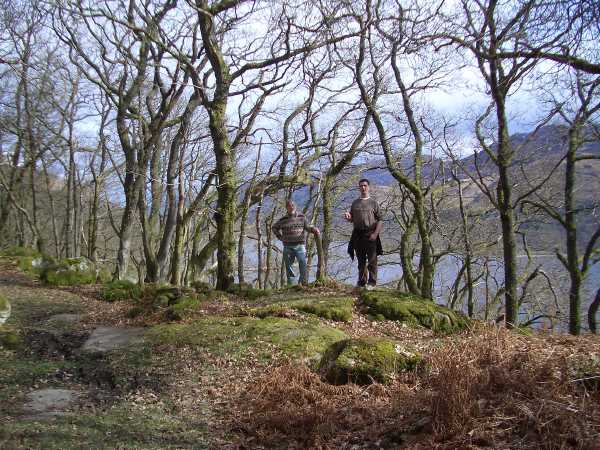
pixel 165 294
pixel 185 307
pixel 363 361
pixel 175 302
pixel 239 337
pixel 307 340
pixel 69 272
pixel 413 310
pixel 331 308
pixel 121 290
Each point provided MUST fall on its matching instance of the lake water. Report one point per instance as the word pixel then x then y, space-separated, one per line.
pixel 541 298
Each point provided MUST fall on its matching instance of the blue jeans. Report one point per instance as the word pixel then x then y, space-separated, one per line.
pixel 290 254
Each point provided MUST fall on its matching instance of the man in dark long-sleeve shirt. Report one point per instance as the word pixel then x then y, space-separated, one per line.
pixel 366 217
pixel 290 229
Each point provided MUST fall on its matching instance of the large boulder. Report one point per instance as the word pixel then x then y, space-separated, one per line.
pixel 366 360
pixel 413 310
pixel 69 272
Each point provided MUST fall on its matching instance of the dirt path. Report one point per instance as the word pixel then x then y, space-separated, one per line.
pixel 56 393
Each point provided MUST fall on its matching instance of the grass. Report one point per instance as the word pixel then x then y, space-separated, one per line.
pixel 30 310
pixel 123 425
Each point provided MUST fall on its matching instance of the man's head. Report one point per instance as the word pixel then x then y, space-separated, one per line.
pixel 363 187
pixel 290 206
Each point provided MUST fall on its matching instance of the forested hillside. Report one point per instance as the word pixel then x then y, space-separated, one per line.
pixel 159 141
pixel 192 198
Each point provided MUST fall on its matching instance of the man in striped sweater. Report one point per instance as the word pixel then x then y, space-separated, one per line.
pixel 290 230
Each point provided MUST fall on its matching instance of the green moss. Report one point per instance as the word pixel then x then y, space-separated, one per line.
pixel 122 425
pixel 4 305
pixel 331 308
pixel 121 290
pixel 22 251
pixel 68 272
pixel 19 371
pixel 25 263
pixel 246 290
pixel 184 307
pixel 69 278
pixel 276 310
pixel 365 360
pixel 413 310
pixel 240 336
pixel 30 308
pixel 9 340
pixel 307 340
pixel 134 312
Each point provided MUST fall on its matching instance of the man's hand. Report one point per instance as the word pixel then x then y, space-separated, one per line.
pixel 373 236
pixel 316 232
pixel 348 216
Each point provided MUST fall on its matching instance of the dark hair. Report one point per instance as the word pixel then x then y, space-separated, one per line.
pixel 364 180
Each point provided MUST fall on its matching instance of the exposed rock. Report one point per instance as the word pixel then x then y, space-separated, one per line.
pixel 65 318
pixel 364 361
pixel 104 339
pixel 50 402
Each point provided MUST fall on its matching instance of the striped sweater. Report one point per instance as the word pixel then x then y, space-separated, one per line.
pixel 290 229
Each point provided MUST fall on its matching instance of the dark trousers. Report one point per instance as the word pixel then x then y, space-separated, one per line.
pixel 366 254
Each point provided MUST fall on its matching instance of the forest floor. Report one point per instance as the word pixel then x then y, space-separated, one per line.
pixel 223 379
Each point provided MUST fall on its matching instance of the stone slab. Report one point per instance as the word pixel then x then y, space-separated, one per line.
pixel 66 318
pixel 104 339
pixel 50 401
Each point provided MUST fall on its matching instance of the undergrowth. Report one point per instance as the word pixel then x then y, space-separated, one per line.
pixel 500 388
pixel 491 388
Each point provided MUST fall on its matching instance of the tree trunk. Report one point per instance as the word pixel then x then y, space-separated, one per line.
pixel 575 274
pixel 592 311
pixel 258 244
pixel 327 201
pixel 226 204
